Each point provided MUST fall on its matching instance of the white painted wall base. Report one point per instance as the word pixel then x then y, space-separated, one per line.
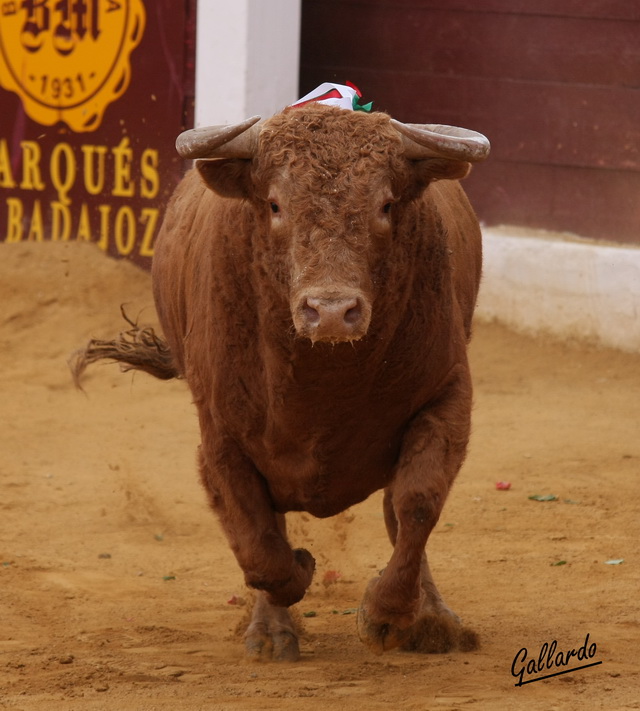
pixel 538 282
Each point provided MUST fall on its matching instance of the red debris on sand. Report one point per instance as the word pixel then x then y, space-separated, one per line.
pixel 503 485
pixel 331 577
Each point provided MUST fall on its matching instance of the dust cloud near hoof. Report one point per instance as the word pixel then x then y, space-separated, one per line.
pixel 438 634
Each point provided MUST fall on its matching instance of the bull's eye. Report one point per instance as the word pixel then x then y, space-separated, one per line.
pixel 275 208
pixel 386 208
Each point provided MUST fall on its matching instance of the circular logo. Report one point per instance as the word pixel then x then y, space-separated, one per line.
pixel 68 59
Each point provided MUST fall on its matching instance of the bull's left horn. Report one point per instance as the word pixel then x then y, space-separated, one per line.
pixel 437 141
pixel 238 140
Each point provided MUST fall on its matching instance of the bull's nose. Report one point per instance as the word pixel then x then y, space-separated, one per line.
pixel 332 318
pixel 332 312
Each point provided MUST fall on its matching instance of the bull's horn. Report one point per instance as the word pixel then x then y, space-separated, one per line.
pixel 436 141
pixel 238 140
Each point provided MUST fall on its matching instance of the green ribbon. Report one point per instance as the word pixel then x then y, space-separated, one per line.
pixel 357 106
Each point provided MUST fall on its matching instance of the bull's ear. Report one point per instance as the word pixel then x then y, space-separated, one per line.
pixel 229 177
pixel 430 169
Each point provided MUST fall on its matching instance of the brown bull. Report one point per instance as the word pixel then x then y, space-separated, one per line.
pixel 315 278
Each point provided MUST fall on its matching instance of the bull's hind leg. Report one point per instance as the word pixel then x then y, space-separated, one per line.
pixel 402 607
pixel 271 634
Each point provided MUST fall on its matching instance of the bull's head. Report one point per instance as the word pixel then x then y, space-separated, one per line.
pixel 331 184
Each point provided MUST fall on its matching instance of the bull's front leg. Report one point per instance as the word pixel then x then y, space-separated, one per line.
pixel 239 495
pixel 402 607
pixel 271 634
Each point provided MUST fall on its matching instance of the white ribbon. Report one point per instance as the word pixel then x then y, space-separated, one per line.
pixel 336 95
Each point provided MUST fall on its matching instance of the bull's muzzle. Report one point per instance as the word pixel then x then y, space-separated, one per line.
pixel 331 316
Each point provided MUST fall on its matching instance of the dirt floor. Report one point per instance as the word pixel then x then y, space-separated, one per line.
pixel 116 584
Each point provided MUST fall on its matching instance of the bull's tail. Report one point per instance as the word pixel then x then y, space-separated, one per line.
pixel 135 349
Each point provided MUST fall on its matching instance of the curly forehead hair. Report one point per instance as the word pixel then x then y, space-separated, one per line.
pixel 327 145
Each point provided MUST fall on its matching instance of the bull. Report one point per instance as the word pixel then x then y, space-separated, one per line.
pixel 315 278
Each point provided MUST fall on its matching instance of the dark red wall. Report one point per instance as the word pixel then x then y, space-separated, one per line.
pixel 554 84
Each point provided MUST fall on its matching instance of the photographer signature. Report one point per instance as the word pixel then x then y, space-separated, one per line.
pixel 549 658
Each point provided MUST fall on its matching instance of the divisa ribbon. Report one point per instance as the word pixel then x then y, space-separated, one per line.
pixel 344 97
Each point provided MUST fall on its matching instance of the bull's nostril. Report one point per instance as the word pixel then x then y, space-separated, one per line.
pixel 353 315
pixel 311 315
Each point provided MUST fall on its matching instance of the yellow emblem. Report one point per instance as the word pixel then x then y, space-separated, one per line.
pixel 68 59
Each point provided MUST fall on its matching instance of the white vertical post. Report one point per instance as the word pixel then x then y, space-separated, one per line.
pixel 247 58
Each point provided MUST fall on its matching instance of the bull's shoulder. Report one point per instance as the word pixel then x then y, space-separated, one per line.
pixel 464 243
pixel 450 199
pixel 196 217
pixel 185 197
pixel 201 263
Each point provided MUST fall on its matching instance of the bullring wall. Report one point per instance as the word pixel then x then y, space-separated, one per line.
pixel 554 84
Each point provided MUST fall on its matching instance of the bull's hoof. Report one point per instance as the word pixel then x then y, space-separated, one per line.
pixel 379 633
pixel 432 633
pixel 272 634
pixel 281 646
pixel 379 637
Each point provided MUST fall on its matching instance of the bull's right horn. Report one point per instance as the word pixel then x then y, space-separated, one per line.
pixel 238 140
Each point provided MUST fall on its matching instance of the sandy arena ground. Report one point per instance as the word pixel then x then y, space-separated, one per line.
pixel 115 580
